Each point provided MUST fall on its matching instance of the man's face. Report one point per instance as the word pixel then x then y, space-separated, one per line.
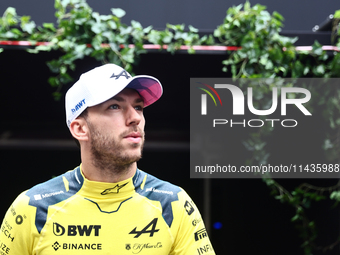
pixel 116 129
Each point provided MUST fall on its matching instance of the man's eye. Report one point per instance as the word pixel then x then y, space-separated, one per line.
pixel 139 108
pixel 114 106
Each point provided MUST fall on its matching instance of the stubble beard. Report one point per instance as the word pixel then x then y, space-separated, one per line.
pixel 108 154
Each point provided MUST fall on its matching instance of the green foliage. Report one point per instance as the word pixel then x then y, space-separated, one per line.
pixel 267 54
pixel 81 32
pixel 264 52
pixel 303 198
pixel 175 36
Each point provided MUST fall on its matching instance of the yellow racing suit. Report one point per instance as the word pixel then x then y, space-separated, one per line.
pixel 70 214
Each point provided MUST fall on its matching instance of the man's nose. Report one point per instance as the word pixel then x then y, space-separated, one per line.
pixel 133 116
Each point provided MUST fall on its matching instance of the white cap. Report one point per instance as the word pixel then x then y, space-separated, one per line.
pixel 102 83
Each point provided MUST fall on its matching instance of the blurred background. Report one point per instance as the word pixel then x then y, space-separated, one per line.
pixel 241 215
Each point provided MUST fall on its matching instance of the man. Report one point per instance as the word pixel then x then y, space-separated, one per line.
pixel 106 205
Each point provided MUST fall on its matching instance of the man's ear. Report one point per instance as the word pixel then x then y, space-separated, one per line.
pixel 79 129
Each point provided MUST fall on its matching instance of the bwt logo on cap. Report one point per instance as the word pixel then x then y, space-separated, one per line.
pixel 238 104
pixel 78 106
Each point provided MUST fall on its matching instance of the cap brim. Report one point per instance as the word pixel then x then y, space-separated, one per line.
pixel 149 88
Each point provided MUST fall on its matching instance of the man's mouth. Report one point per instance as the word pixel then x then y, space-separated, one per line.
pixel 134 137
